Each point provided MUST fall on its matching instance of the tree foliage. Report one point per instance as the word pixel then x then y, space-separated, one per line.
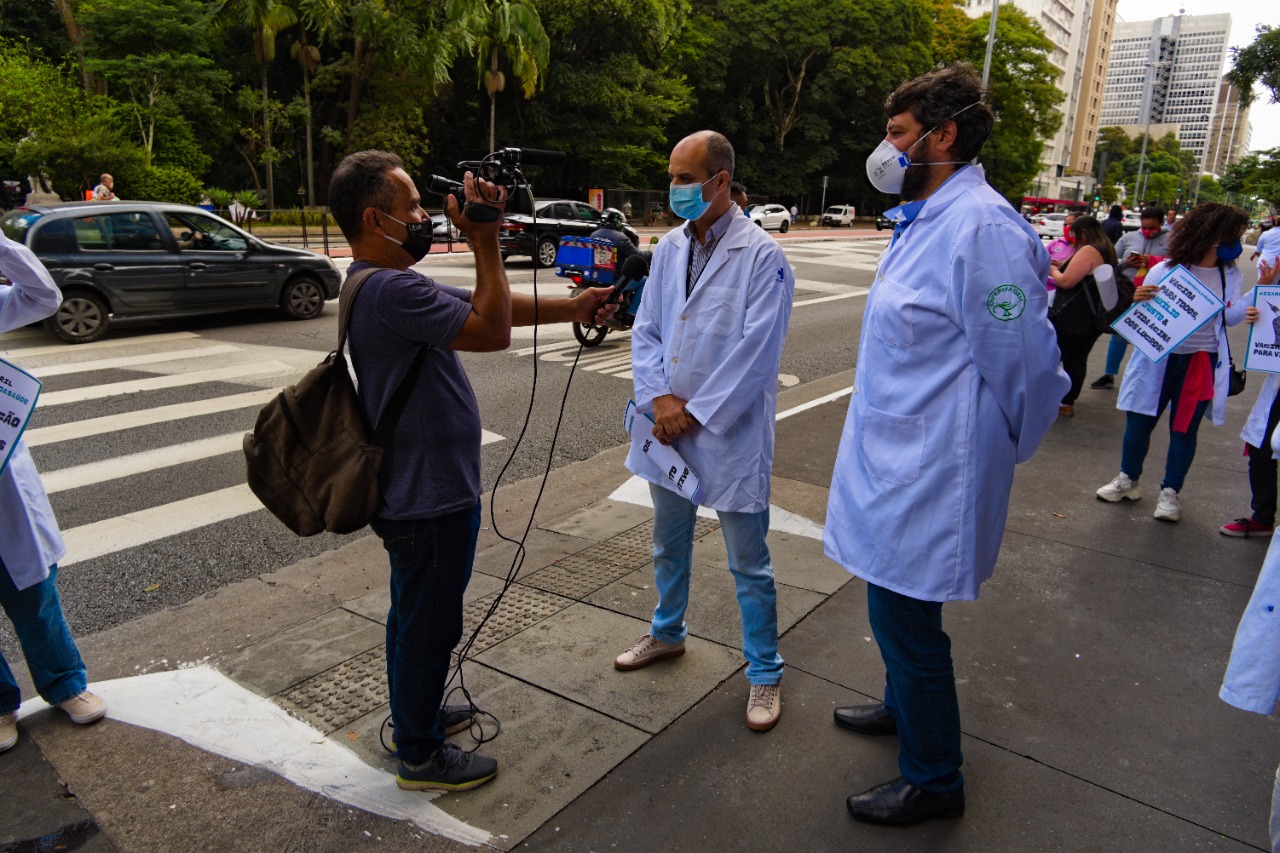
pixel 1256 176
pixel 1257 63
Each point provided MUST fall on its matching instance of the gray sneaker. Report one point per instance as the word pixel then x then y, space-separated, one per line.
pixel 648 649
pixel 450 769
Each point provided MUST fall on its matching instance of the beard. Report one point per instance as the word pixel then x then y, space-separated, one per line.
pixel 915 180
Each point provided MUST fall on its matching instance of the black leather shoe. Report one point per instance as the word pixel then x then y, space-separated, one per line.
pixel 899 803
pixel 867 719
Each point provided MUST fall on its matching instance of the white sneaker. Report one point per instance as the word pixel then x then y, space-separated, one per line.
pixel 648 649
pixel 1167 508
pixel 1120 489
pixel 85 708
pixel 764 707
pixel 8 731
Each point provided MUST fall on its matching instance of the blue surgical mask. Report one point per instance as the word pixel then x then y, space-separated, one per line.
pixel 687 201
pixel 1229 251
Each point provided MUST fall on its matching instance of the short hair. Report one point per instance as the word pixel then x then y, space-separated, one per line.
pixel 737 188
pixel 1153 212
pixel 361 181
pixel 719 153
pixel 952 92
pixel 104 176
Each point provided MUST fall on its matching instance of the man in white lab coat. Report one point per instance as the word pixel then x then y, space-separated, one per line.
pixel 958 379
pixel 705 352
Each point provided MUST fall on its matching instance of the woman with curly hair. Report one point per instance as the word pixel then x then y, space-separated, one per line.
pixel 1075 308
pixel 1193 379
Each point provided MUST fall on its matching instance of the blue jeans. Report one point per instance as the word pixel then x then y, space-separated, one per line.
pixel 920 688
pixel 744 535
pixel 1115 354
pixel 430 567
pixel 1182 445
pixel 52 657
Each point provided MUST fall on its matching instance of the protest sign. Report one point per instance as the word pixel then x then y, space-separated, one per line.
pixel 1158 325
pixel 679 475
pixel 18 393
pixel 1264 335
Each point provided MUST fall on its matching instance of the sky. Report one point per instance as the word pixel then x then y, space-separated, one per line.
pixel 1245 17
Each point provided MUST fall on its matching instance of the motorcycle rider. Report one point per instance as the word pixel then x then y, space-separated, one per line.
pixel 611 222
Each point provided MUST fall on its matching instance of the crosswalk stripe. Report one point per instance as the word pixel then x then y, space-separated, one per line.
pixel 149 525
pixel 862 291
pixel 29 352
pixel 154 383
pixel 93 473
pixel 487 437
pixel 130 361
pixel 145 417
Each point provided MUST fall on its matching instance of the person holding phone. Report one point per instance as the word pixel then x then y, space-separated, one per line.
pixel 1138 252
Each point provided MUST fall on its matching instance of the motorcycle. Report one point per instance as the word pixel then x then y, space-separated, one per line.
pixel 593 262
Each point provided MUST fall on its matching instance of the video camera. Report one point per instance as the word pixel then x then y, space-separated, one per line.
pixel 503 168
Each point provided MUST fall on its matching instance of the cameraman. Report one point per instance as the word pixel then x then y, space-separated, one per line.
pixel 430 475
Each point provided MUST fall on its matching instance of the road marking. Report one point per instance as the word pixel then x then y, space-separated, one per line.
pixel 146 417
pixel 824 286
pixel 487 437
pixel 150 525
pixel 93 473
pixel 130 361
pixel 230 373
pixel 813 404
pixel 29 352
pixel 860 292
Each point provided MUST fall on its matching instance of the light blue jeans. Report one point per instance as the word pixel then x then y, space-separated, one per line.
pixel 744 535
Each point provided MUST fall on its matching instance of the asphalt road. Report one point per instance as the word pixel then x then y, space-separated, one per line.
pixel 151 498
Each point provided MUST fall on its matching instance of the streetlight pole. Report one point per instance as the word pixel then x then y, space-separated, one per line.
pixel 991 43
pixel 1142 160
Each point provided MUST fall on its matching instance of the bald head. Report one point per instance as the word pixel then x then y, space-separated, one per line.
pixel 710 149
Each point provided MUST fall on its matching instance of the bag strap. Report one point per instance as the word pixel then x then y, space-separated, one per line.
pixel 1222 271
pixel 400 398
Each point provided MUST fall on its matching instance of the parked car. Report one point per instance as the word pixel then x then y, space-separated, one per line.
pixel 770 216
pixel 132 259
pixel 1132 220
pixel 1049 225
pixel 539 236
pixel 839 215
pixel 443 230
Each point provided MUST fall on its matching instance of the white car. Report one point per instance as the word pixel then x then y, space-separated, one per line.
pixel 1132 220
pixel 1049 224
pixel 770 216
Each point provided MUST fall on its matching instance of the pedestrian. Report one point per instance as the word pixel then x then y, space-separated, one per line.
pixel 1252 679
pixel 429 519
pixel 1258 433
pixel 31 544
pixel 1194 378
pixel 1113 225
pixel 1170 218
pixel 1138 251
pixel 1267 249
pixel 1063 247
pixel 957 381
pixel 1075 312
pixel 738 194
pixel 795 211
pixel 611 224
pixel 105 190
pixel 705 353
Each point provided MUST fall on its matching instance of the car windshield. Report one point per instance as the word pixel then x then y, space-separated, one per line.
pixel 836 210
pixel 753 208
pixel 16 223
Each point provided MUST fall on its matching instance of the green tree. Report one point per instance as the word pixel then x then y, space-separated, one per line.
pixel 1113 146
pixel 1255 176
pixel 495 29
pixel 266 19
pixel 1024 96
pixel 1211 189
pixel 1257 63
pixel 1161 188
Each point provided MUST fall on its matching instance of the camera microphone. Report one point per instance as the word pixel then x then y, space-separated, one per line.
pixel 535 156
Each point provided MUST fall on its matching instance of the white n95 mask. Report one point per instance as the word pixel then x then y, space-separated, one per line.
pixel 887 167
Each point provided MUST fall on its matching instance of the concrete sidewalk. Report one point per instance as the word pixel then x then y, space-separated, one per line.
pixel 1088 677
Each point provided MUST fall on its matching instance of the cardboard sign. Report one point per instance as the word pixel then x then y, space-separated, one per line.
pixel 680 477
pixel 18 393
pixel 1264 335
pixel 1158 325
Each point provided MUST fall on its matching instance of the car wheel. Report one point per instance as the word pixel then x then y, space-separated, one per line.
pixel 82 317
pixel 879 227
pixel 760 222
pixel 548 245
pixel 782 229
pixel 303 298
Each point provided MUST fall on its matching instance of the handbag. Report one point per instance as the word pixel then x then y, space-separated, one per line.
pixel 1235 383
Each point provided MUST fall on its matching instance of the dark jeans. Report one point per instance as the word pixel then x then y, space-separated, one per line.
pixel 1262 471
pixel 430 566
pixel 52 658
pixel 920 688
pixel 1182 445
pixel 1075 360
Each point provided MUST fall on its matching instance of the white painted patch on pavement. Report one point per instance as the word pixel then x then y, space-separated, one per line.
pixel 636 491
pixel 211 712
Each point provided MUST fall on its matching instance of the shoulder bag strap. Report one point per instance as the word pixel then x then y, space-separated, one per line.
pixel 1222 272
pixel 347 299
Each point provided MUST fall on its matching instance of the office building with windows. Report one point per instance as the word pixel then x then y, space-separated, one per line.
pixel 1229 137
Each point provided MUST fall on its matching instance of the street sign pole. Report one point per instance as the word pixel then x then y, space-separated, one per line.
pixel 824 195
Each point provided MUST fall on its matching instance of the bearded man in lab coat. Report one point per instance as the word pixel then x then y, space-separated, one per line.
pixel 705 352
pixel 958 379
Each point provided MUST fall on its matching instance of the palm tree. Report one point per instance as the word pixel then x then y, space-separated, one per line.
pixel 266 18
pixel 308 58
pixel 497 27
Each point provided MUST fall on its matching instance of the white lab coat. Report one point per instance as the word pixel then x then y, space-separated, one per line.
pixel 958 379
pixel 1255 428
pixel 30 541
pixel 1140 385
pixel 720 350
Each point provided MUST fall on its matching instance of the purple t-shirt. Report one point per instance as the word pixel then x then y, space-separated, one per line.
pixel 431 462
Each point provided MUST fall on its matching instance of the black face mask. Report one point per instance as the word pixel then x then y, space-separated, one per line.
pixel 418 243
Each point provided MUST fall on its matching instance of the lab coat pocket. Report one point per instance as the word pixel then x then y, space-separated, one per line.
pixel 717 312
pixel 892 321
pixel 892 446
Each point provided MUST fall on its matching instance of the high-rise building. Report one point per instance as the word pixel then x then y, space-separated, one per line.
pixel 1231 131
pixel 1080 32
pixel 1168 71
